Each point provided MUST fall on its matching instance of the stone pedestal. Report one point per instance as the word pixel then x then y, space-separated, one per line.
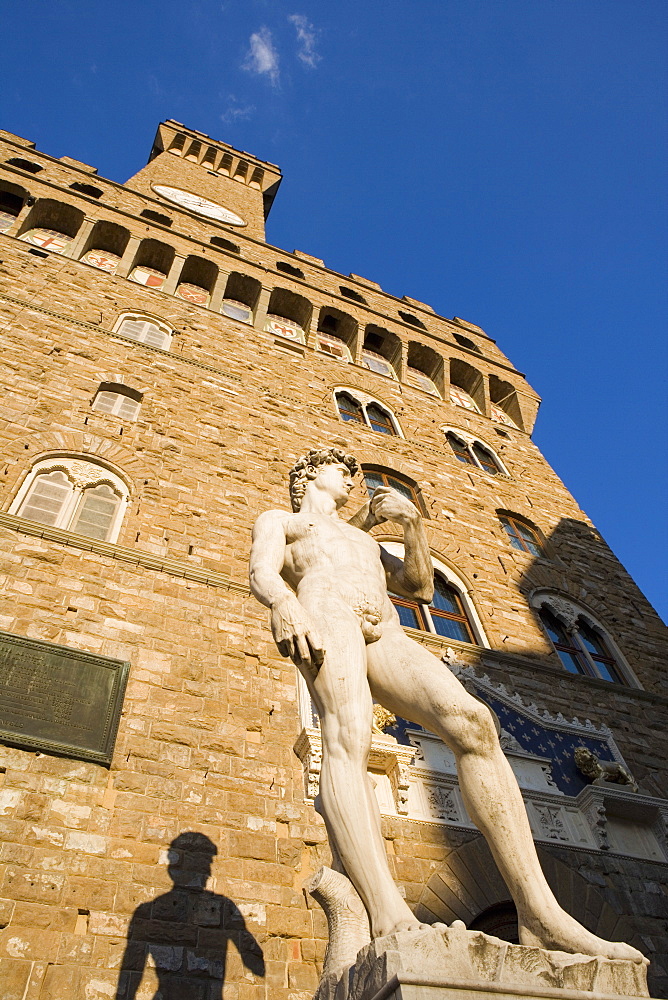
pixel 455 964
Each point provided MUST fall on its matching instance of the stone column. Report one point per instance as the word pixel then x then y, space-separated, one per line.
pixel 128 257
pixel 486 401
pixel 359 340
pixel 402 367
pixel 311 334
pixel 17 225
pixel 172 279
pixel 218 290
pixel 261 308
pixel 75 248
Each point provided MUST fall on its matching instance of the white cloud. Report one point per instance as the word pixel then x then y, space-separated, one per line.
pixel 236 111
pixel 307 36
pixel 262 57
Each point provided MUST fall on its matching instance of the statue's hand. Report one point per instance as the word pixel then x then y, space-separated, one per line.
pixel 295 635
pixel 389 505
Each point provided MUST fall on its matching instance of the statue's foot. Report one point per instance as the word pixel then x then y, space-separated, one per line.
pixel 410 925
pixel 393 927
pixel 564 933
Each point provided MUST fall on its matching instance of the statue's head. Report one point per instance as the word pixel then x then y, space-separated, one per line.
pixel 190 859
pixel 305 470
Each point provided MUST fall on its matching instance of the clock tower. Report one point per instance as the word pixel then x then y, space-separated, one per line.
pixel 188 171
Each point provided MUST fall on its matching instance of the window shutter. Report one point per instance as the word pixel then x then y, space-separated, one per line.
pixel 127 407
pixel 47 498
pixel 144 331
pixel 105 401
pixel 96 512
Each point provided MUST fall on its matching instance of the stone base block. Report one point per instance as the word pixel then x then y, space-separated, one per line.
pixel 455 964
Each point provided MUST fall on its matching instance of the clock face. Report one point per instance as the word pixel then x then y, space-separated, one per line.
pixel 201 206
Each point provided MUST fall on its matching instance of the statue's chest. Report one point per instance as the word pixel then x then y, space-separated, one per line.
pixel 309 530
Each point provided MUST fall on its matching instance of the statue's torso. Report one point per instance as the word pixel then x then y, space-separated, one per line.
pixel 325 555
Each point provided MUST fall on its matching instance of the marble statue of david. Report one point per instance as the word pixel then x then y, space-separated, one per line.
pixel 325 581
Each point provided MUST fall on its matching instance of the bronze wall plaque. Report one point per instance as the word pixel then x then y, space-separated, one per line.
pixel 59 699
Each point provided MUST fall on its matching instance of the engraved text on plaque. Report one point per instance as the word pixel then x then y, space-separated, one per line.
pixel 59 699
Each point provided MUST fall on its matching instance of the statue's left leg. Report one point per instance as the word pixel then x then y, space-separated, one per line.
pixel 410 681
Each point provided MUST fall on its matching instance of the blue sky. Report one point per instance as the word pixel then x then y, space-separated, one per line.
pixel 502 160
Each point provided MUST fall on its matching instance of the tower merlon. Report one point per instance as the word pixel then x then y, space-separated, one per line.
pixel 218 157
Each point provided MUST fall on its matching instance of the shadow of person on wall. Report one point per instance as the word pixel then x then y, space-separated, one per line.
pixel 186 931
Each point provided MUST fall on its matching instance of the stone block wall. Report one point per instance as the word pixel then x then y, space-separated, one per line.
pixel 204 759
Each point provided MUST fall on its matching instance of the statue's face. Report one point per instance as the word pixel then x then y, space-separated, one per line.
pixel 335 479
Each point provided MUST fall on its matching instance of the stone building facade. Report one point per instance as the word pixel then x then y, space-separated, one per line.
pixel 163 367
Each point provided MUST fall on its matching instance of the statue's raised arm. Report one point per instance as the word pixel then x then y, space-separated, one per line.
pixel 412 576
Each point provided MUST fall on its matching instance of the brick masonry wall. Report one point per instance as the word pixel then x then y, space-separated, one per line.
pixel 210 715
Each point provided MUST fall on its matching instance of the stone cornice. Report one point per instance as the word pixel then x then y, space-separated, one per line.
pixel 163 564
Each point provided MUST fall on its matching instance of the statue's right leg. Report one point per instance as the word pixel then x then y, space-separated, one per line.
pixel 343 700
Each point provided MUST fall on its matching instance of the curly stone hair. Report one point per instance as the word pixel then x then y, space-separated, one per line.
pixel 306 468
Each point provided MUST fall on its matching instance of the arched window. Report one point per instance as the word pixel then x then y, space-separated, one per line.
pixel 379 420
pixel 105 246
pixel 219 241
pixel 484 459
pixel 241 296
pixel 74 494
pixel 522 537
pixel 196 281
pixel 88 189
pixel 412 320
pixel 162 220
pixel 467 343
pixel 145 330
pixel 424 369
pixel 350 293
pixel 294 272
pixel 152 263
pixel 95 513
pixel 288 315
pixel 445 615
pixel 349 408
pixel 466 386
pixel 472 452
pixel 373 478
pixel 52 225
pixel 450 613
pixel 366 410
pixel 119 400
pixel 504 406
pixel 381 351
pixel 580 643
pixel 336 333
pixel 12 200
